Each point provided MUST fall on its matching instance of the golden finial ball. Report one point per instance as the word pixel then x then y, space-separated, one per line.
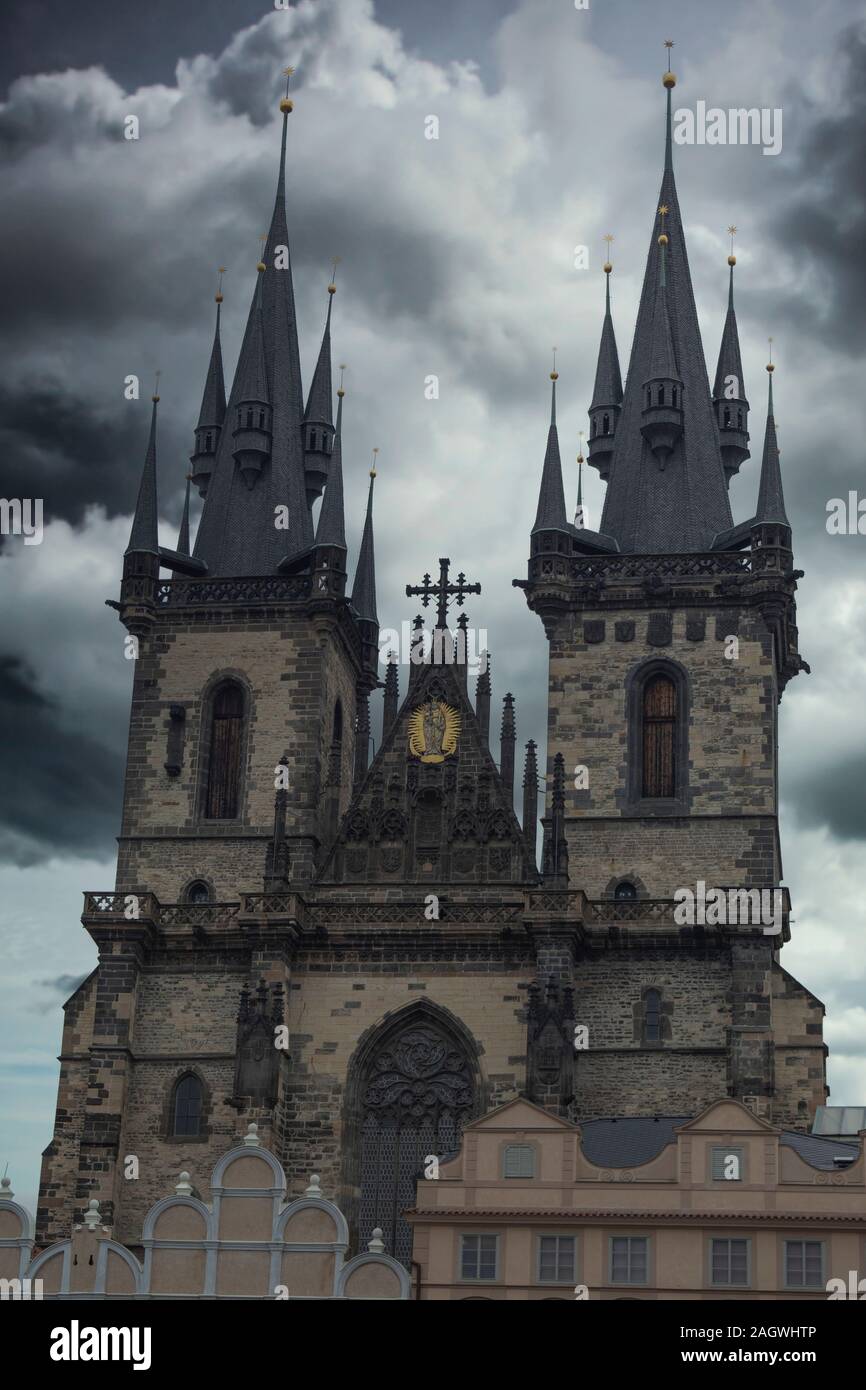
pixel 155 399
pixel 340 392
pixel 770 367
pixel 607 267
pixel 287 105
pixel 580 458
pixel 554 376
pixel 663 240
pixel 260 265
pixel 332 288
pixel 669 80
pixel 218 299
pixel 732 260
pixel 372 472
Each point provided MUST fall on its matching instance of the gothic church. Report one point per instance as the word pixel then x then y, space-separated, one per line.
pixel 269 952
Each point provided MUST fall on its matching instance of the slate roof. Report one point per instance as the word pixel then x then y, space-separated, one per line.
pixel 331 529
pixel 730 362
pixel 364 586
pixel 683 506
pixel 144 535
pixel 771 499
pixel 629 1141
pixel 213 401
pixel 608 379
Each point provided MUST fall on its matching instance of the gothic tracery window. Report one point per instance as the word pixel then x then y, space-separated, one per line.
pixel 224 762
pixel 652 1006
pixel 659 730
pixel 416 1092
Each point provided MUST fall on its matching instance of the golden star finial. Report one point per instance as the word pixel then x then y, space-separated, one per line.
pixel 663 210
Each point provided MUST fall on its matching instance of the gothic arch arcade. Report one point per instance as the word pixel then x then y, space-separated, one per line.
pixel 413 1085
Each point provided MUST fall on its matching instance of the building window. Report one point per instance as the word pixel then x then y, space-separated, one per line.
pixel 606 425
pixel 198 892
pixel 594 427
pixel 652 1016
pixel 659 737
pixel 727 1164
pixel 661 395
pixel 207 443
pixel 556 1262
pixel 224 763
pixel 518 1161
pixel 249 419
pixel 729 1262
pixel 479 1257
pixel 804 1264
pixel 625 892
pixel 629 1257
pixel 727 420
pixel 187 1107
pixel 674 397
pixel 739 419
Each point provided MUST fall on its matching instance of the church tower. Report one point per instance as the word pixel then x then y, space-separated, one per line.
pixel 672 635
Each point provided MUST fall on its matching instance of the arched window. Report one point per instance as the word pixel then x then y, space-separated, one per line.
pixel 249 419
pixel 313 438
pixel 224 762
pixel 261 419
pixel 727 421
pixel 652 1016
pixel 674 397
pixel 649 397
pixel 413 1086
pixel 207 443
pixel 625 892
pixel 186 1110
pixel 605 425
pixel 593 427
pixel 659 737
pixel 661 395
pixel 197 892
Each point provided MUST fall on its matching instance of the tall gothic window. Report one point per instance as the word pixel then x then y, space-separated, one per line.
pixel 224 762
pixel 187 1107
pixel 659 737
pixel 415 1091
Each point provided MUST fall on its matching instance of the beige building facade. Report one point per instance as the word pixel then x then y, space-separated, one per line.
pixel 724 1206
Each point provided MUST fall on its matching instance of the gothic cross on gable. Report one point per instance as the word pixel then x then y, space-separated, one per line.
pixel 442 591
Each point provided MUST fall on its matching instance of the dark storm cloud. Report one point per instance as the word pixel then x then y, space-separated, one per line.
pixel 55 447
pixel 822 223
pixel 833 796
pixel 60 792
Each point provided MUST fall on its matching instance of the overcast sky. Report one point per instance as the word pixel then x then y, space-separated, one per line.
pixel 457 259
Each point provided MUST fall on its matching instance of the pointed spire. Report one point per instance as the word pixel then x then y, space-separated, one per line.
pixel 213 401
pixel 508 738
pixel 550 515
pixel 183 533
pixel 482 700
pixel 251 377
pixel 237 534
pixel 144 536
pixel 331 529
pixel 729 391
pixel 530 800
pixel 607 394
pixel 319 408
pixel 392 694
pixel 683 505
pixel 364 587
pixel 771 499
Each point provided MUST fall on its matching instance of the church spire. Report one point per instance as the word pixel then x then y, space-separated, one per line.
pixel 364 587
pixel 662 415
pixel 183 533
pixel 237 534
pixel 144 536
pixel 331 530
pixel 682 505
pixel 729 391
pixel 213 407
pixel 607 393
pixel 318 414
pixel 771 500
pixel 550 515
